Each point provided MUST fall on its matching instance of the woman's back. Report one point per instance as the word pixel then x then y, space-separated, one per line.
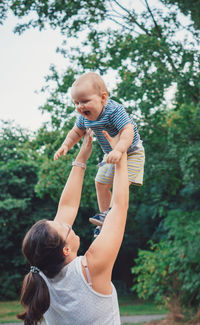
pixel 74 302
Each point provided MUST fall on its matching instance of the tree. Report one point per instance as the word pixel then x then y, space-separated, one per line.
pixel 19 206
pixel 169 271
pixel 186 7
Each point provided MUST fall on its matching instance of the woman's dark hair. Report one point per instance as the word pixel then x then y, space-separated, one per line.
pixel 43 248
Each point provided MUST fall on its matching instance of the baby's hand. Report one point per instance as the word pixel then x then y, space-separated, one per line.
pixel 113 157
pixel 61 151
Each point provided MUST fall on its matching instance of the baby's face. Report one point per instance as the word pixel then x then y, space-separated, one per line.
pixel 87 101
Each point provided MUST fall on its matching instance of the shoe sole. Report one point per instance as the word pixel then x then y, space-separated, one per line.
pixel 95 222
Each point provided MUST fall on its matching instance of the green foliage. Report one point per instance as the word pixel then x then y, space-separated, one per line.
pixel 56 13
pixel 169 271
pixel 19 206
pixel 188 7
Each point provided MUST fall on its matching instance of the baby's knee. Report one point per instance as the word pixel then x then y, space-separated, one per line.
pixel 102 186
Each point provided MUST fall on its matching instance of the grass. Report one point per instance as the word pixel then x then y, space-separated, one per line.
pixel 8 311
pixel 128 306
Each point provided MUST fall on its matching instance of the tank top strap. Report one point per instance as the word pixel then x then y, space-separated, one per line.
pixel 84 263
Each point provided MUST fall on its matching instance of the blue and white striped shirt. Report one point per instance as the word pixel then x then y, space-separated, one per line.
pixel 112 119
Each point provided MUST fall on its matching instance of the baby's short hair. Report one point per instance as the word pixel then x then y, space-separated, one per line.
pixel 96 80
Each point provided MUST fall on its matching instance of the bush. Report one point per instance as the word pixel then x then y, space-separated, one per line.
pixel 169 272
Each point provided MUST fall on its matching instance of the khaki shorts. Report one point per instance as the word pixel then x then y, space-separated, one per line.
pixel 135 162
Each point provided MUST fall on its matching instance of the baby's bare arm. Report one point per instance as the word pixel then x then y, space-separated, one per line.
pixel 71 139
pixel 125 140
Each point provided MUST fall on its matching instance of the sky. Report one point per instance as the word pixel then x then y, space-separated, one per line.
pixel 25 60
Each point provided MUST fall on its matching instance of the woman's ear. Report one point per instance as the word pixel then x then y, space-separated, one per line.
pixel 66 250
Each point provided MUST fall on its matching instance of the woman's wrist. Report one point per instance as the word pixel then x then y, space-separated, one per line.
pixel 79 164
pixel 81 158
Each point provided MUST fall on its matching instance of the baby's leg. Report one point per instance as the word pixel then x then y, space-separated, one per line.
pixel 103 182
pixel 104 195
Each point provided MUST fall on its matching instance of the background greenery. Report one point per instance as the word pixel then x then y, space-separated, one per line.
pixel 147 54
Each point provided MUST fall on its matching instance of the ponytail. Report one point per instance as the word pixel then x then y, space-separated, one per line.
pixel 43 249
pixel 35 299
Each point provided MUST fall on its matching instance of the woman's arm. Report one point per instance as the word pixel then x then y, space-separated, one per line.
pixel 103 252
pixel 71 195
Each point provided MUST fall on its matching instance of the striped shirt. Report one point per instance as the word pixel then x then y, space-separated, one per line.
pixel 113 119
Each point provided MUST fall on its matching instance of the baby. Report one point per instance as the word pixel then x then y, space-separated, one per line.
pixel 99 113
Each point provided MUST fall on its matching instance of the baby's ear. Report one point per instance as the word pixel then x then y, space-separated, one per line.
pixel 104 97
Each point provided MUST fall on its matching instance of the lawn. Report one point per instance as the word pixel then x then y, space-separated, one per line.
pixel 8 311
pixel 128 306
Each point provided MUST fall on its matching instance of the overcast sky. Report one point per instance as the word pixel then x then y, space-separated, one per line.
pixel 25 60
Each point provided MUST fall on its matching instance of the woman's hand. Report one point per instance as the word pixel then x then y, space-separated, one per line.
pixel 114 156
pixel 86 147
pixel 112 140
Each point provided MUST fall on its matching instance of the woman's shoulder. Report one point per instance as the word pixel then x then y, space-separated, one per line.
pixel 69 268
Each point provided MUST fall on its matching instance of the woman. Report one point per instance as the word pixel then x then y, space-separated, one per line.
pixel 66 289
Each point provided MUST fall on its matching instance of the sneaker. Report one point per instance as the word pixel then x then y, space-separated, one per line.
pixel 97 231
pixel 99 218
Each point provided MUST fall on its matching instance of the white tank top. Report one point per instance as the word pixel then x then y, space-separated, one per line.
pixel 74 302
